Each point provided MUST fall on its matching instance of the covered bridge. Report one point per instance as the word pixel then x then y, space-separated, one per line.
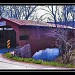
pixel 39 35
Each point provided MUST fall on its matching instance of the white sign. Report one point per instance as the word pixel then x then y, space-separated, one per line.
pixel 3 23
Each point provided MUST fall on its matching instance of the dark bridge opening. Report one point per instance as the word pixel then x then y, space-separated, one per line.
pixel 7 33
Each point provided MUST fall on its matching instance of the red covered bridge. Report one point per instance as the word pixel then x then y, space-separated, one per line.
pixel 22 32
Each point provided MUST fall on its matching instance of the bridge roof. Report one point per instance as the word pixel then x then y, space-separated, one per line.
pixel 34 23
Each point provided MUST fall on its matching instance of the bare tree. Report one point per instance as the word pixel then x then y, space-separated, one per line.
pixel 18 11
pixel 66 44
pixel 52 11
pixel 1 10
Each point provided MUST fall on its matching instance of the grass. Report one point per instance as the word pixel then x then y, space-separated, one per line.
pixel 31 60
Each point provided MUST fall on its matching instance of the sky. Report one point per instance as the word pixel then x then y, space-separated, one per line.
pixel 40 12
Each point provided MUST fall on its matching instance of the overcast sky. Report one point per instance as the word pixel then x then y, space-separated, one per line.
pixel 40 12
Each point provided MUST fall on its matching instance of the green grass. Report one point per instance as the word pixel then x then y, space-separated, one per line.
pixel 70 66
pixel 31 60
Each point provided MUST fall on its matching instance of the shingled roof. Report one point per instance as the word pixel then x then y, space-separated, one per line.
pixel 34 23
